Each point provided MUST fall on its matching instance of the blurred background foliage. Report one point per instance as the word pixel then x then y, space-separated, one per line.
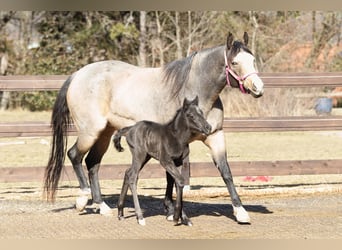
pixel 54 43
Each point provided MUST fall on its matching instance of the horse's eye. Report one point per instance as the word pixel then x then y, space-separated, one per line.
pixel 234 63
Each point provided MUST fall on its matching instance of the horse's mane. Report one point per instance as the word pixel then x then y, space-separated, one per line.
pixel 177 73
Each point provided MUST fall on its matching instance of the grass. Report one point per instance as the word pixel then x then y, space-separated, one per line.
pixel 253 146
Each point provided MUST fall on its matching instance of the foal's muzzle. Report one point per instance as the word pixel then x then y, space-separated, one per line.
pixel 206 129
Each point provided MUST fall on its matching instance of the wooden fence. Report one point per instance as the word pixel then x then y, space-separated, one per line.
pixel 281 80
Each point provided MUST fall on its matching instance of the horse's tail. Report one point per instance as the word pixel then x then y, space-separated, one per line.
pixel 117 138
pixel 60 120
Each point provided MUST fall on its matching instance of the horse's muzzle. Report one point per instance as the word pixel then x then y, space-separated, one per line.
pixel 257 95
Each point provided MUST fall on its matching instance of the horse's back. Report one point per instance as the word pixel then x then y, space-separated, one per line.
pixel 114 92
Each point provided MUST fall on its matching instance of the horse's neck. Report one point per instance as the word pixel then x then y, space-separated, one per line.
pixel 207 78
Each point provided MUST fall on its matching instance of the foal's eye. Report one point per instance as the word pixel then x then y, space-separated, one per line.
pixel 234 63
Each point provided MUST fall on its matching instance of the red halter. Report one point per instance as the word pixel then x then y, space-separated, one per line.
pixel 238 78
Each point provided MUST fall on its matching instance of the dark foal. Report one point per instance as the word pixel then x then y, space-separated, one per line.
pixel 167 143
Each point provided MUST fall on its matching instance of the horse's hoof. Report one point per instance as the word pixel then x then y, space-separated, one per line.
pixel 105 209
pixel 241 215
pixel 176 223
pixel 142 222
pixel 121 217
pixel 81 203
pixel 82 199
pixel 169 217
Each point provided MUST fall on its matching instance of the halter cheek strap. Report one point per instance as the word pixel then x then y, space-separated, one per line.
pixel 238 78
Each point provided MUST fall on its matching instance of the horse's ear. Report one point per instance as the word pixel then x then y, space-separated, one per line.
pixel 245 38
pixel 230 40
pixel 186 103
pixel 195 101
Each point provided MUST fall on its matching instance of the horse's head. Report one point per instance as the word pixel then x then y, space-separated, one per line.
pixel 194 116
pixel 240 69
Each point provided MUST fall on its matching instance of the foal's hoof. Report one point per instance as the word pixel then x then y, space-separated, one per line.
pixel 241 215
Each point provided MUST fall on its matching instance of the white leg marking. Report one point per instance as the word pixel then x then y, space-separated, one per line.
pixel 241 215
pixel 105 209
pixel 142 222
pixel 82 199
pixel 169 218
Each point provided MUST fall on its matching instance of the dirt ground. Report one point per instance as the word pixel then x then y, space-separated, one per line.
pixel 298 211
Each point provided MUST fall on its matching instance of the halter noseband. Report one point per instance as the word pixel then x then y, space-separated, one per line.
pixel 238 78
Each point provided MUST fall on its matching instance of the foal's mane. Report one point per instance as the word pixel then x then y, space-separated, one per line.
pixel 177 73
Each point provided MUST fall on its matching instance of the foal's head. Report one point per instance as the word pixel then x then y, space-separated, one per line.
pixel 194 117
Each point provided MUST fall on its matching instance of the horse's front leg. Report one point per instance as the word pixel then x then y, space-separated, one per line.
pixel 216 142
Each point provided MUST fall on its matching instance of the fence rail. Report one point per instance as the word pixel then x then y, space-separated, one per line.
pixel 271 80
pixel 264 124
pixel 27 129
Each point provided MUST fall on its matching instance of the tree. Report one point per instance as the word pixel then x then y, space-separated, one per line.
pixel 142 39
pixel 331 25
pixel 5 17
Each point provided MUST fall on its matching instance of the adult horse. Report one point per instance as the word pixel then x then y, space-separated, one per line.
pixel 105 96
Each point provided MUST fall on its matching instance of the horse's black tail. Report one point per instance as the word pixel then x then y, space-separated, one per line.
pixel 60 120
pixel 117 138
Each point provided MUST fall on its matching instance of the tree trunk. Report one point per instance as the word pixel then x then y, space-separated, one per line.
pixel 189 34
pixel 159 40
pixel 142 46
pixel 6 94
pixel 178 37
pixel 329 30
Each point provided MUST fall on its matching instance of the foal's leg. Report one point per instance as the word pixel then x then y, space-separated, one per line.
pixel 93 161
pixel 179 181
pixel 168 200
pixel 216 142
pixel 131 179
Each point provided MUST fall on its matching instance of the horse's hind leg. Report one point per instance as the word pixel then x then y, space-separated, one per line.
pixel 93 161
pixel 76 157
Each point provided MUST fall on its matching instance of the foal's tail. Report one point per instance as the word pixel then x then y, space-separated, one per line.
pixel 60 120
pixel 117 138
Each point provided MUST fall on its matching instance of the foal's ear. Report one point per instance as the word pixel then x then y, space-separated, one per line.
pixel 187 103
pixel 230 40
pixel 245 38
